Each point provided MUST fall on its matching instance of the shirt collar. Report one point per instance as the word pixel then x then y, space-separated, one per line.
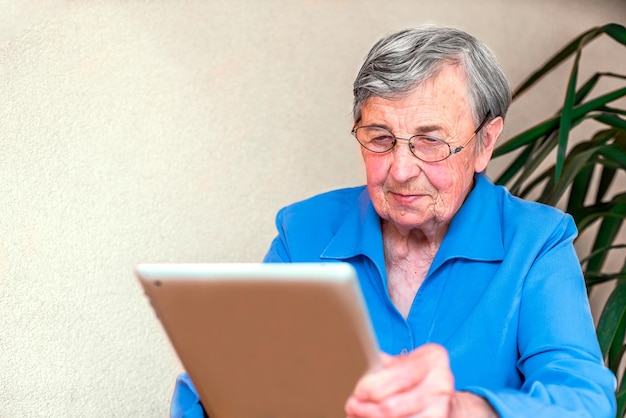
pixel 359 234
pixel 474 233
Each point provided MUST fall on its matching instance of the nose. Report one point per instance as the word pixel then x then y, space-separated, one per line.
pixel 404 165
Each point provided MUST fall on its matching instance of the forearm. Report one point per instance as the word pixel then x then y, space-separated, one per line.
pixel 469 405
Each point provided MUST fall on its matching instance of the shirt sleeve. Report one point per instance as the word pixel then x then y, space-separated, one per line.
pixel 559 356
pixel 185 401
pixel 278 252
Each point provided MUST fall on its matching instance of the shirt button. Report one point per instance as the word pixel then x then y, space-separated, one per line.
pixel 404 352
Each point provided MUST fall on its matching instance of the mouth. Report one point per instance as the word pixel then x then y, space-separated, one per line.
pixel 404 198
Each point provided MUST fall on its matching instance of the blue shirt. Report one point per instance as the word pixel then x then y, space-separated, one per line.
pixel 504 294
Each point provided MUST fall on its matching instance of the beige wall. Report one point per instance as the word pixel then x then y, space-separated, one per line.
pixel 172 131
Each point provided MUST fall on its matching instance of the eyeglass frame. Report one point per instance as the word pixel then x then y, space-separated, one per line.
pixel 412 147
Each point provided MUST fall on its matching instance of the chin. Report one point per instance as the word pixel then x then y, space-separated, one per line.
pixel 406 222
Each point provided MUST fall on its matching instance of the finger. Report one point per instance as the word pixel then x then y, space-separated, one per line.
pixel 400 373
pixel 396 375
pixel 405 404
pixel 386 359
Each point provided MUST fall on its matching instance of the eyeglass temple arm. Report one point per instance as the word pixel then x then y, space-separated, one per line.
pixel 480 126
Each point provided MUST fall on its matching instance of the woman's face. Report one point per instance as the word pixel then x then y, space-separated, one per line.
pixel 406 191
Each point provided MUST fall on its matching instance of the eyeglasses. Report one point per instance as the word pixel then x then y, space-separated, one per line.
pixel 427 148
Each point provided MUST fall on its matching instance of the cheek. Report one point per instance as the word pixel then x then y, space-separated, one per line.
pixel 462 179
pixel 451 181
pixel 376 169
pixel 463 167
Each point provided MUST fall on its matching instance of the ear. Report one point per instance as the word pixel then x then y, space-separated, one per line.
pixel 490 133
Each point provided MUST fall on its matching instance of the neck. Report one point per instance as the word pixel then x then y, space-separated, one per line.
pixel 404 242
pixel 408 257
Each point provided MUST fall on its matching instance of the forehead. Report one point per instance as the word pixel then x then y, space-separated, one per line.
pixel 443 96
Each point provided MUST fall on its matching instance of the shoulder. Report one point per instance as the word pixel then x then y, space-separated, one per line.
pixel 530 219
pixel 306 227
pixel 530 213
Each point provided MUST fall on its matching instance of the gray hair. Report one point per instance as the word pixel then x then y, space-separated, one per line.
pixel 401 61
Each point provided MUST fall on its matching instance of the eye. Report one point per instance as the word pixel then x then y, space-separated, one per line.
pixel 382 138
pixel 427 141
pixel 379 136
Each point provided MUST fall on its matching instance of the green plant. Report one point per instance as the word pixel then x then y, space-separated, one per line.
pixel 583 173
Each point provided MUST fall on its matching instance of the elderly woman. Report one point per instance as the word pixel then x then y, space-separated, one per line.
pixel 476 297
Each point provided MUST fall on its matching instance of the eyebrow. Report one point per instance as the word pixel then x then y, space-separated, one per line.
pixel 429 128
pixel 422 130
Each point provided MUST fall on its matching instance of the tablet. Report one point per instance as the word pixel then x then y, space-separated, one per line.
pixel 265 340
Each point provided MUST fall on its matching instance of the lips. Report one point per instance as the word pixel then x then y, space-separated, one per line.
pixel 404 199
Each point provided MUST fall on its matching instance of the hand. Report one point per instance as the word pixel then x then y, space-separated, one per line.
pixel 419 384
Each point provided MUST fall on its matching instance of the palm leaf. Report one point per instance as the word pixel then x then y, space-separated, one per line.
pixel 612 319
pixel 615 31
pixel 608 173
pixel 544 128
pixel 587 215
pixel 609 228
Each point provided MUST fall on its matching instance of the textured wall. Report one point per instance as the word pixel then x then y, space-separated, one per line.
pixel 172 131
